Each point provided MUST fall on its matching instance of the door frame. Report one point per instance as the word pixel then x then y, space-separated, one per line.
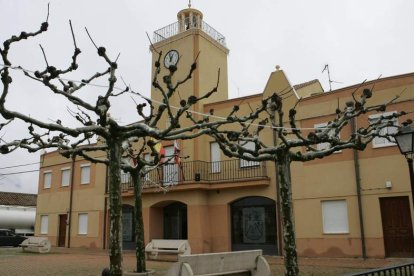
pixel 61 216
pixel 406 201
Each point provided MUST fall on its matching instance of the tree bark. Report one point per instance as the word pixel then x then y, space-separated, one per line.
pixel 285 192
pixel 115 208
pixel 139 223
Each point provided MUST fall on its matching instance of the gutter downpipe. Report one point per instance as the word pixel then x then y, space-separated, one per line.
pixel 278 204
pixel 105 209
pixel 358 188
pixel 71 198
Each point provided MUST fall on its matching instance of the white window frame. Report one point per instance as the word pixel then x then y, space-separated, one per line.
pixel 47 181
pixel 65 182
pixel 335 218
pixel 215 157
pixel 380 142
pixel 244 163
pixel 82 180
pixel 170 169
pixel 83 223
pixel 326 145
pixel 147 157
pixel 44 224
pixel 124 177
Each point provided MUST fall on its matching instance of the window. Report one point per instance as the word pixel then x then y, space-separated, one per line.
pixel 215 157
pixel 253 224
pixel 83 224
pixel 44 224
pixel 324 146
pixel 335 217
pixel 245 163
pixel 127 223
pixel 147 157
pixel 380 142
pixel 47 179
pixel 65 177
pixel 124 177
pixel 170 169
pixel 85 173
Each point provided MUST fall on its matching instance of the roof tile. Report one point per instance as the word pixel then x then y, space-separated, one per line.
pixel 17 199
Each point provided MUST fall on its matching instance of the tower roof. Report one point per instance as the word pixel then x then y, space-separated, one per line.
pixel 189 11
pixel 188 19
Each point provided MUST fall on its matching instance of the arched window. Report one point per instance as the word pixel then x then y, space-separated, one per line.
pixel 128 237
pixel 253 224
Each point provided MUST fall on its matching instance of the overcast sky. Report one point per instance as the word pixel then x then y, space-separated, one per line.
pixel 359 39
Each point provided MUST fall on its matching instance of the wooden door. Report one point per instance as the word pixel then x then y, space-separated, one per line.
pixel 397 226
pixel 62 230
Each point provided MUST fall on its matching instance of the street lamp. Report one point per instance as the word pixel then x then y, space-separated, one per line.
pixel 405 141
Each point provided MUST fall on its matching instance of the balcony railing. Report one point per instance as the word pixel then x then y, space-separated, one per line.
pixel 400 270
pixel 177 27
pixel 200 172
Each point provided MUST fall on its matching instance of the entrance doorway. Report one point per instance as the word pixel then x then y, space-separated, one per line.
pixel 253 224
pixel 62 230
pixel 397 226
pixel 175 221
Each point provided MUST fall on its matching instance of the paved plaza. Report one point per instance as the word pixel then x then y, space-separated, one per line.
pixel 64 261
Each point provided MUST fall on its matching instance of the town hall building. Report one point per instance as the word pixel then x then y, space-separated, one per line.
pixel 345 205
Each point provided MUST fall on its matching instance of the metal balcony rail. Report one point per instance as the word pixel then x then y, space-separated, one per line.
pixel 177 27
pixel 400 270
pixel 213 33
pixel 200 172
pixel 166 32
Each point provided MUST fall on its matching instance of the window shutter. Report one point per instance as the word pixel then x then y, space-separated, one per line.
pixel 215 157
pixel 335 217
pixel 83 224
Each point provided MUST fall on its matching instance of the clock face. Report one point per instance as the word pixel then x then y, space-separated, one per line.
pixel 171 58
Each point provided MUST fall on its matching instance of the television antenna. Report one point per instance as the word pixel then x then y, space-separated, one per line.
pixel 326 68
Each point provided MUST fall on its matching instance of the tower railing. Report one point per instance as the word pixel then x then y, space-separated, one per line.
pixel 217 36
pixel 166 32
pixel 176 28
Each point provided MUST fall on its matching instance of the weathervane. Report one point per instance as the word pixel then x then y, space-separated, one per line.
pixel 189 3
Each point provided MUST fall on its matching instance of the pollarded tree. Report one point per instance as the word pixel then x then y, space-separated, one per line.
pixel 94 123
pixel 137 166
pixel 295 145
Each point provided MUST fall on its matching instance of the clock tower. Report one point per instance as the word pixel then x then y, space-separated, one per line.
pixel 180 43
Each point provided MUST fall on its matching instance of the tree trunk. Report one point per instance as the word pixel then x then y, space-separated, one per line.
pixel 115 209
pixel 285 197
pixel 139 223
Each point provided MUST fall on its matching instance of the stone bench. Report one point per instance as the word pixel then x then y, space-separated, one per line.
pixel 167 247
pixel 36 244
pixel 226 263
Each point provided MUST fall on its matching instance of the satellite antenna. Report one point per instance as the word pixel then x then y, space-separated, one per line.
pixel 329 77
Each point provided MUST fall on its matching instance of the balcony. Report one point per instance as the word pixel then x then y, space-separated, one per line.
pixel 200 172
pixel 178 27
